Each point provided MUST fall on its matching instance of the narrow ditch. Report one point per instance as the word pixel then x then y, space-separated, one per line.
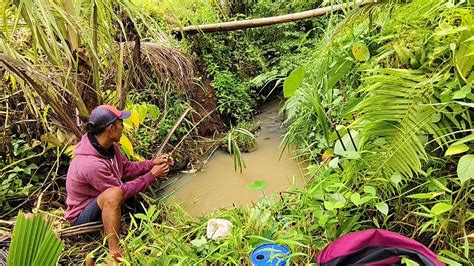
pixel 218 185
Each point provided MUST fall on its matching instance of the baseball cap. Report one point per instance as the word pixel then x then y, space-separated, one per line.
pixel 104 115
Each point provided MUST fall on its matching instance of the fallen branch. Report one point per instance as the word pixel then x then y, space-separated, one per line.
pixel 260 22
pixel 81 229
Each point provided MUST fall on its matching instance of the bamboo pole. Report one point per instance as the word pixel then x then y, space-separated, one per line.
pixel 170 133
pixel 260 22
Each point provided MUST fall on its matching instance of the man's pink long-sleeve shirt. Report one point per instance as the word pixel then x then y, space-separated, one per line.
pixel 90 173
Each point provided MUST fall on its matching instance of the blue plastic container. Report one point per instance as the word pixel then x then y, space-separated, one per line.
pixel 270 254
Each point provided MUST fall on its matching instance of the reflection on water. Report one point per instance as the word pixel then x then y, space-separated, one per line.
pixel 218 185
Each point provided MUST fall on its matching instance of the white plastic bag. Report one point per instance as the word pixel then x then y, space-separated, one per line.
pixel 218 228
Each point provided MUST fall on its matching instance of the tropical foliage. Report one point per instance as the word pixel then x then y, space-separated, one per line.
pixel 391 92
pixel 34 242
pixel 379 103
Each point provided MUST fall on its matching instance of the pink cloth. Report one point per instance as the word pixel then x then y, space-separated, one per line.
pixel 90 173
pixel 347 245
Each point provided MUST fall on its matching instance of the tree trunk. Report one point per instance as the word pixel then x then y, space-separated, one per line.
pixel 260 22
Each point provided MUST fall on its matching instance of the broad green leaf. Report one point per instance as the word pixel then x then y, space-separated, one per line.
pixel 465 168
pixel 376 221
pixel 436 117
pixel 323 220
pixel 396 178
pixel 360 51
pixel 141 216
pixel 334 163
pixel 338 71
pixel 51 139
pixel 370 190
pixel 339 205
pixel 293 81
pixel 199 242
pixel 135 118
pixel 126 145
pixel 451 255
pixel 153 111
pixel 459 95
pixel 142 111
pixel 382 207
pixel 257 185
pixel 347 145
pixel 440 208
pixel 366 199
pixel 456 149
pixel 328 205
pixel 355 198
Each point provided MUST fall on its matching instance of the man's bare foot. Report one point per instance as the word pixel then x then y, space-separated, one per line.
pixel 114 258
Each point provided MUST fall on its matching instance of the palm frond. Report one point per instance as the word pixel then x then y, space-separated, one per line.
pixel 396 109
pixel 34 242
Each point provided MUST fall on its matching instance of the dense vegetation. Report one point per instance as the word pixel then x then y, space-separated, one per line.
pixel 379 102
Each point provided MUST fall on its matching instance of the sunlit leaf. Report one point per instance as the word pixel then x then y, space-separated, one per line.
pixel 465 168
pixel 396 178
pixel 135 118
pixel 355 198
pixel 436 117
pixel 360 51
pixel 339 205
pixel 127 145
pixel 328 205
pixel 347 145
pixel 382 207
pixel 456 149
pixel 440 208
pixel 153 111
pixel 370 190
pixel 51 139
pixel 142 111
pixel 199 242
pixel 293 81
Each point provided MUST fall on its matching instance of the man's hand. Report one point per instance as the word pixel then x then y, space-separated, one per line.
pixel 160 170
pixel 164 158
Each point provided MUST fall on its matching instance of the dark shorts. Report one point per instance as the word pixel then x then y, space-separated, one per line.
pixel 93 213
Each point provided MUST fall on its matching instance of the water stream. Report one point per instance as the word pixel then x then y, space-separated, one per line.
pixel 218 185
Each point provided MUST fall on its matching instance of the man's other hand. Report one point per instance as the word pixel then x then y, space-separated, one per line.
pixel 160 170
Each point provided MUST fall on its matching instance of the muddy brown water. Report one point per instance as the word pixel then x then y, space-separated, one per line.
pixel 219 186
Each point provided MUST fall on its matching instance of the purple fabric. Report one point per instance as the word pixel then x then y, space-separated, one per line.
pixel 90 173
pixel 353 242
